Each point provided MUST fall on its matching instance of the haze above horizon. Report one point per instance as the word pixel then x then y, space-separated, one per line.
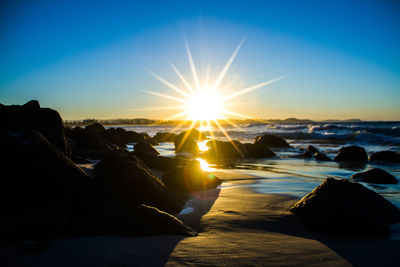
pixel 90 59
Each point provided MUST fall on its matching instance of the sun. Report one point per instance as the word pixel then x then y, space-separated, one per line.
pixel 205 105
pixel 202 102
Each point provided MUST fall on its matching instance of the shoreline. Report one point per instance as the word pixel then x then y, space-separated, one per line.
pixel 237 226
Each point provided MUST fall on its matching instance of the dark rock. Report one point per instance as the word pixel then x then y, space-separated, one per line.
pixel 270 140
pixel 124 180
pixel 186 142
pixel 145 220
pixel 96 128
pixel 31 116
pixel 38 181
pixel 342 206
pixel 352 153
pixel 121 137
pixel 164 137
pixel 225 150
pixel 389 156
pixel 377 176
pixel 321 157
pixel 160 162
pixel 146 147
pixel 312 149
pixel 258 151
pixel 189 178
pixel 87 143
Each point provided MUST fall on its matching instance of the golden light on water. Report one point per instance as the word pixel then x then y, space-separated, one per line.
pixel 201 102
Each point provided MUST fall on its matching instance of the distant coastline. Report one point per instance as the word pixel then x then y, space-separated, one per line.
pixel 144 121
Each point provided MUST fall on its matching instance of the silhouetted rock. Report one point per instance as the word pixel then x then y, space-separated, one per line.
pixel 258 151
pixel 125 181
pixel 145 220
pixel 38 182
pixel 164 137
pixel 146 147
pixel 321 157
pixel 189 178
pixel 352 154
pixel 96 128
pixel 121 137
pixel 270 140
pixel 225 150
pixel 160 162
pixel 87 143
pixel 31 116
pixel 377 176
pixel 388 156
pixel 342 206
pixel 312 149
pixel 186 141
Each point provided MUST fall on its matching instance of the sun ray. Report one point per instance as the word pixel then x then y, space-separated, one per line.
pixel 166 96
pixel 182 78
pixel 170 85
pixel 236 114
pixel 227 66
pixel 180 114
pixel 229 138
pixel 252 88
pixel 159 108
pixel 192 67
pixel 185 136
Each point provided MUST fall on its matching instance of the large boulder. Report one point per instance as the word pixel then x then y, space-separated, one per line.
pixel 160 162
pixel 186 141
pixel 376 176
pixel 270 140
pixel 189 178
pixel 387 156
pixel 342 206
pixel 96 128
pixel 38 184
pixel 86 142
pixel 146 147
pixel 225 150
pixel 121 137
pixel 124 180
pixel 352 154
pixel 258 151
pixel 164 137
pixel 31 116
pixel 142 220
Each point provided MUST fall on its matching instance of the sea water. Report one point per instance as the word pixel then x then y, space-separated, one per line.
pixel 288 175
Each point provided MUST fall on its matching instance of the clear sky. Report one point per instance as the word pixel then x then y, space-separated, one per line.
pixel 90 59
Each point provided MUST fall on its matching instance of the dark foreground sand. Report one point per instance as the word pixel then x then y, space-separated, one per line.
pixel 237 227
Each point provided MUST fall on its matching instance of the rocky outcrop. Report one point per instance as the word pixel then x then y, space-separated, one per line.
pixel 313 152
pixel 385 156
pixel 146 147
pixel 377 176
pixel 186 141
pixel 258 151
pixel 341 206
pixel 352 154
pixel 142 220
pixel 126 181
pixel 164 137
pixel 38 186
pixel 31 116
pixel 270 140
pixel 189 178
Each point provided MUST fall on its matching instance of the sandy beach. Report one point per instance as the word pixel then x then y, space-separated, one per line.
pixel 237 227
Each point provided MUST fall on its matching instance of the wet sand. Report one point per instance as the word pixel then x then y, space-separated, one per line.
pixel 237 227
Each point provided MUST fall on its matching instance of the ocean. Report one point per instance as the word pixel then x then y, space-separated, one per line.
pixel 288 175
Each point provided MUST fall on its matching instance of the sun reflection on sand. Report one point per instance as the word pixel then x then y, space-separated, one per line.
pixel 204 165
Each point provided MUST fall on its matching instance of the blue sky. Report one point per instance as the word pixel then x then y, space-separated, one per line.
pixel 90 58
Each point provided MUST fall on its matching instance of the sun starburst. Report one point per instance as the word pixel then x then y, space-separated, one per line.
pixel 203 103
